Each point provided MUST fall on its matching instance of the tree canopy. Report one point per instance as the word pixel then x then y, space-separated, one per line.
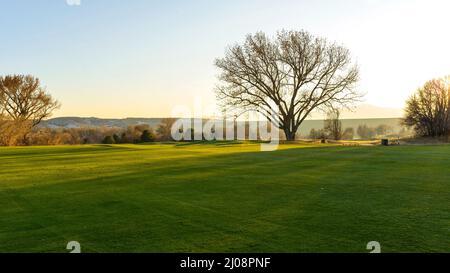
pixel 22 98
pixel 428 110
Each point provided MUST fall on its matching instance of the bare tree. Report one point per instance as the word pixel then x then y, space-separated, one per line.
pixel 428 110
pixel 23 99
pixel 296 71
pixel 333 125
pixel 12 132
pixel 164 129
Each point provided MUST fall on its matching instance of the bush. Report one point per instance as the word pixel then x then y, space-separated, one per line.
pixel 164 129
pixel 108 140
pixel 13 133
pixel 117 139
pixel 147 136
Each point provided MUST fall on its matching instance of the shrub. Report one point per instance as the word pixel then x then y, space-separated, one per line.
pixel 147 136
pixel 108 140
pixel 117 139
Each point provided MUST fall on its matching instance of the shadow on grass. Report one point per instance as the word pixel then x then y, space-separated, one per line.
pixel 292 199
pixel 40 151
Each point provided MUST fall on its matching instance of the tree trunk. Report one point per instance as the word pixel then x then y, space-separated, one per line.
pixel 290 135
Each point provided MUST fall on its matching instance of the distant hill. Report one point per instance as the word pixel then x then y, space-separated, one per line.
pixel 78 122
pixel 305 128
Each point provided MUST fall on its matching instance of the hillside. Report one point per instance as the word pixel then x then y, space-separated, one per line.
pixel 79 122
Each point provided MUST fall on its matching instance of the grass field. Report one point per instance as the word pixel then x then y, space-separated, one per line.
pixel 225 198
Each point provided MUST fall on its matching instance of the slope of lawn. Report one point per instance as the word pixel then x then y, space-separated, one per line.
pixel 224 198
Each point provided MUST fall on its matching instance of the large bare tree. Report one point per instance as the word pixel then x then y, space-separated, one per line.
pixel 295 71
pixel 23 99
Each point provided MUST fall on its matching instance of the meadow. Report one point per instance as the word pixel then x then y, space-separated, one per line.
pixel 225 197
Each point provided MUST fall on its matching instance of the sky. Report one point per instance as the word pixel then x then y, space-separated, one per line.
pixel 141 58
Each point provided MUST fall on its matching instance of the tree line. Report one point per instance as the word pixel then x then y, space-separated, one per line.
pixel 334 130
pixel 96 135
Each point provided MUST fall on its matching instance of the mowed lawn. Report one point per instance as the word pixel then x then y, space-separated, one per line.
pixel 224 198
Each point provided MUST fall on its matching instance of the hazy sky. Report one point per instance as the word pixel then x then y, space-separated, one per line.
pixel 117 58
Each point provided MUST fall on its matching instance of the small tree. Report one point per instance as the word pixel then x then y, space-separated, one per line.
pixel 117 139
pixel 147 136
pixel 164 129
pixel 333 126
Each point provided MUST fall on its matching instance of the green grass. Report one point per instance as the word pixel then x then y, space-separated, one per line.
pixel 225 198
